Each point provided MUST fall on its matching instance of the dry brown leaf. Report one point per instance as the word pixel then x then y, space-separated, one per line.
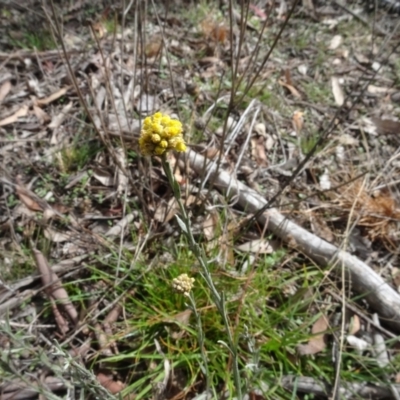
pixel 103 341
pixel 298 121
pixel 117 229
pixel 386 126
pixel 292 89
pixel 166 211
pixel 53 97
pixel 113 315
pixel 337 91
pixel 53 286
pixel 355 324
pixel 99 30
pixel 58 119
pixel 213 30
pixel 191 199
pixel 209 225
pixel 321 229
pixel 41 115
pixel 377 211
pixel 28 201
pixel 108 382
pixel 29 198
pixel 153 47
pixel 60 320
pixel 180 318
pixel 56 236
pixel 258 151
pixel 103 176
pixel 4 90
pixel 211 153
pixel 317 342
pixel 22 112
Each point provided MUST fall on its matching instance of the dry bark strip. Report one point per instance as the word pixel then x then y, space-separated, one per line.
pixel 381 296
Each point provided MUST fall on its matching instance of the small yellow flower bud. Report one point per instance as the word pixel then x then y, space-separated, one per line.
pixel 158 151
pixel 165 120
pixel 180 146
pixel 156 138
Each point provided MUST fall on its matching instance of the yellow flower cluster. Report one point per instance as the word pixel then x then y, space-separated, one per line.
pixel 159 134
pixel 183 284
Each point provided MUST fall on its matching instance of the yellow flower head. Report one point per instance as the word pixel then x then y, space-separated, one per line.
pixel 160 134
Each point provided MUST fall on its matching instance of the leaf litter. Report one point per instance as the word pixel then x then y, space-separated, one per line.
pixel 303 87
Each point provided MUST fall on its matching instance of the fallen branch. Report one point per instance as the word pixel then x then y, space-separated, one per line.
pixel 304 384
pixel 380 296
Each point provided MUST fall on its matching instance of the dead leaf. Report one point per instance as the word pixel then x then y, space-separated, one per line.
pixel 337 91
pixel 317 343
pixel 191 199
pixel 360 345
pixel 321 229
pixel 120 226
pixel 292 89
pixel 99 30
pixel 154 46
pixel 213 30
pixel 258 151
pixel 103 341
pixel 180 318
pixel 209 225
pixel 29 198
pixel 53 97
pixel 386 126
pixel 355 324
pixel 211 153
pixel 380 90
pixel 336 41
pixel 53 286
pixel 108 382
pixel 258 246
pixel 56 236
pixel 361 58
pixel 60 320
pixel 22 112
pixel 123 180
pixel 58 119
pixel 298 121
pixel 103 176
pixel 166 211
pixel 41 115
pixel 258 12
pixel 4 90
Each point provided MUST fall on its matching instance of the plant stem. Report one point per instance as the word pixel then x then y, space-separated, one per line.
pixel 201 257
pixel 200 339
